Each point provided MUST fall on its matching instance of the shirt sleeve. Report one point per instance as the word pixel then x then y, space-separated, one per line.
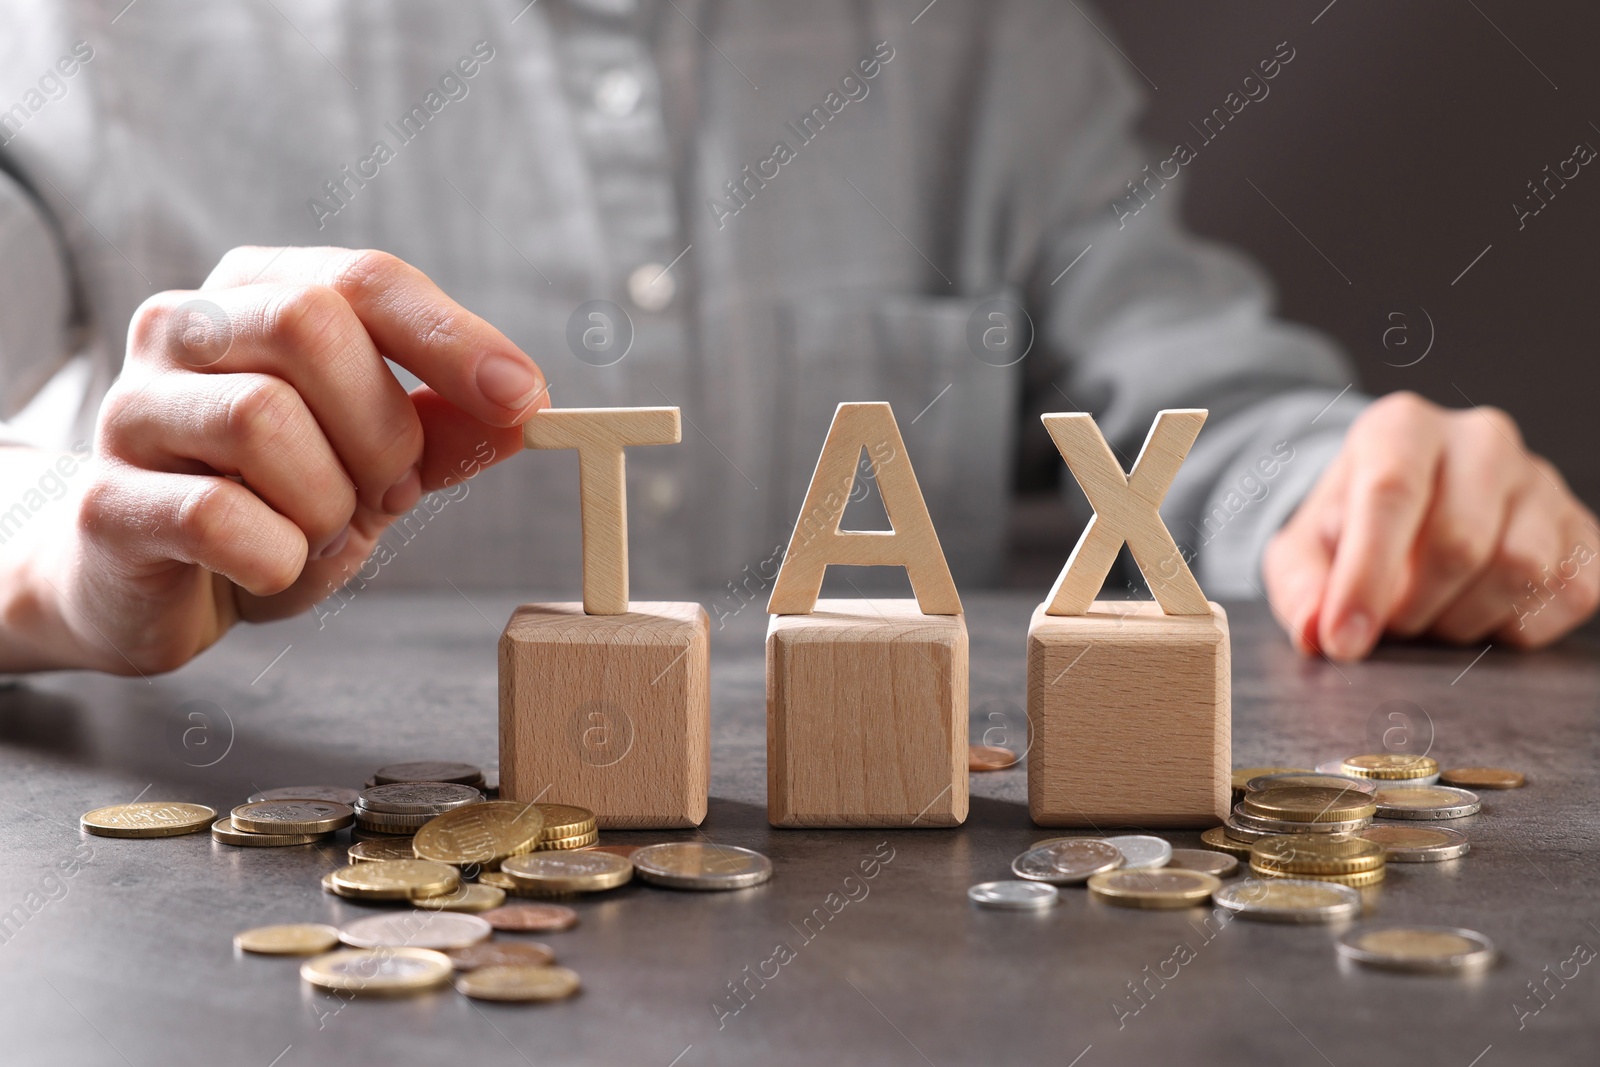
pixel 35 303
pixel 1135 314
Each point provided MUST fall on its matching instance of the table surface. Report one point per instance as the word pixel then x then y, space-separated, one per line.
pixel 128 959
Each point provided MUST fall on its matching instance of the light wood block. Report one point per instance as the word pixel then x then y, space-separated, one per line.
pixel 867 716
pixel 1126 510
pixel 817 540
pixel 609 712
pixel 1129 716
pixel 600 435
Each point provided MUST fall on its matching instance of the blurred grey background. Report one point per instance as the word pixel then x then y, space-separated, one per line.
pixel 1392 151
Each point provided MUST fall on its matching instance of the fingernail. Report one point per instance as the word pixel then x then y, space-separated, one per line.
pixel 510 381
pixel 403 495
pixel 336 546
pixel 1352 636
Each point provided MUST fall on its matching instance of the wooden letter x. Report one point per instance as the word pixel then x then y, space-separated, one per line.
pixel 599 435
pixel 1126 509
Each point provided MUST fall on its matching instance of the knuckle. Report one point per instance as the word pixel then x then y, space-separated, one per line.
pixel 97 506
pixel 307 319
pixel 1520 567
pixel 149 328
pixel 368 269
pixel 206 515
pixel 1457 551
pixel 1391 485
pixel 262 413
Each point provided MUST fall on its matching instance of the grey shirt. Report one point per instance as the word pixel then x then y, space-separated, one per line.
pixel 846 199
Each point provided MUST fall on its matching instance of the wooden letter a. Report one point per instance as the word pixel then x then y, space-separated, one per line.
pixel 817 540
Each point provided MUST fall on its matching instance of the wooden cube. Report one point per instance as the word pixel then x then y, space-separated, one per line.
pixel 867 716
pixel 609 712
pixel 1130 717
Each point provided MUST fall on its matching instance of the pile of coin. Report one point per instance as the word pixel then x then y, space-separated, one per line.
pixel 1351 861
pixel 426 837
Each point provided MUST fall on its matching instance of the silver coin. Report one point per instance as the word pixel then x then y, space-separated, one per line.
pixel 1204 860
pixel 1067 861
pixel 428 771
pixel 337 793
pixel 1243 818
pixel 1432 802
pixel 1014 896
pixel 1141 851
pixel 382 820
pixel 442 930
pixel 701 865
pixel 1242 833
pixel 418 798
pixel 1289 900
pixel 1417 844
pixel 1319 779
pixel 1418 949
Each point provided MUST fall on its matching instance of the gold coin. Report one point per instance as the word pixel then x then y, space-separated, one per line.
pixel 513 888
pixel 1314 854
pixel 1430 949
pixel 568 872
pixel 289 939
pixel 558 844
pixel 1391 765
pixel 1417 844
pixel 468 897
pixel 1217 838
pixel 292 817
pixel 1158 888
pixel 395 880
pixel 516 982
pixel 1242 775
pixel 379 971
pixel 566 820
pixel 483 833
pixel 1305 803
pixel 398 848
pixel 223 830
pixel 1483 778
pixel 1354 881
pixel 150 818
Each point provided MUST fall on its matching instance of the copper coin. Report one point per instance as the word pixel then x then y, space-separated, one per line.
pixel 501 954
pixel 989 758
pixel 531 917
pixel 1483 778
pixel 616 850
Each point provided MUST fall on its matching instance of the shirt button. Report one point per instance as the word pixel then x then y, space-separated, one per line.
pixel 651 288
pixel 617 93
pixel 662 493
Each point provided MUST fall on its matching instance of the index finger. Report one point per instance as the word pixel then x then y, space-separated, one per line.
pixel 1393 466
pixel 411 320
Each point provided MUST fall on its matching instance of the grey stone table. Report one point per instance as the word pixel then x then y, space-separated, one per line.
pixel 125 957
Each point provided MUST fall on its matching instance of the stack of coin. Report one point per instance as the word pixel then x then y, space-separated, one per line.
pixel 428 771
pixel 269 823
pixel 1242 776
pixel 1350 861
pixel 1302 809
pixel 404 807
pixel 566 826
pixel 1391 768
